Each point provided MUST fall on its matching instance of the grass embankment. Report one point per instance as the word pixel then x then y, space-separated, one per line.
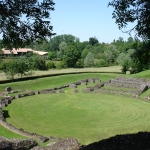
pixel 115 69
pixel 87 117
pixel 49 82
pixel 7 133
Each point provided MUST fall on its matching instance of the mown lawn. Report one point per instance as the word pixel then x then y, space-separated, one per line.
pixel 49 82
pixel 8 134
pixel 87 117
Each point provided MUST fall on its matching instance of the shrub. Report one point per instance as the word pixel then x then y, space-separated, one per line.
pixel 62 65
pixel 89 60
pixel 50 65
pixel 101 63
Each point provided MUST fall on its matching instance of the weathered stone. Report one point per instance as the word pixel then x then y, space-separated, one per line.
pixel 38 148
pixel 90 80
pixel 16 144
pixel 73 85
pixel 97 79
pixel 26 94
pixel 8 89
pixel 76 91
pixel 68 144
pixel 88 89
pixel 37 92
pixel 83 83
pixel 23 144
pixel 61 91
pixel 5 145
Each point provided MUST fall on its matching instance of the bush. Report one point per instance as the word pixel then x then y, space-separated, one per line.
pixel 101 63
pixel 50 65
pixel 62 65
pixel 89 60
pixel 79 64
pixel 37 63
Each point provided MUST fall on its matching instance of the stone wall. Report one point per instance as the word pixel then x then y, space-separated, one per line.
pixel 16 144
pixel 138 86
pixel 6 100
pixel 26 94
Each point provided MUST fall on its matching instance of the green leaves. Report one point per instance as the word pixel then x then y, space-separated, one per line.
pixel 23 22
pixel 129 11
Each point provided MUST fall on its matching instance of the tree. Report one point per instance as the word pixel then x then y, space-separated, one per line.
pixel 56 41
pixel 50 65
pixel 10 69
pixel 89 60
pixel 129 11
pixel 23 22
pixel 93 40
pixel 22 67
pixel 109 56
pixel 37 63
pixel 120 58
pixel 130 40
pixel 141 57
pixel 84 53
pixel 51 55
pixel 62 46
pixel 72 54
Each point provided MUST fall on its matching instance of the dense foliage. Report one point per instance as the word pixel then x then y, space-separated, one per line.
pixel 23 22
pixel 126 11
pixel 65 51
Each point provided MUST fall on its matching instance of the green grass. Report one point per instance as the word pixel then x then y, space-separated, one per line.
pixel 49 82
pixel 143 74
pixel 114 69
pixel 8 134
pixel 87 117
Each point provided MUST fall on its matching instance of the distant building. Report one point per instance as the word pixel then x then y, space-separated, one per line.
pixel 22 51
pixel 41 53
pixel 6 52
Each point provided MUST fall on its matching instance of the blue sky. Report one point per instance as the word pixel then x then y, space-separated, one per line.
pixel 85 19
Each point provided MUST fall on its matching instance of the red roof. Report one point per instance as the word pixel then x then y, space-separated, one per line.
pixel 14 51
pixel 6 51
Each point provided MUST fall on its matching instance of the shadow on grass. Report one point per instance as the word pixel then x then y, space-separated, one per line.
pixel 138 141
pixel 6 114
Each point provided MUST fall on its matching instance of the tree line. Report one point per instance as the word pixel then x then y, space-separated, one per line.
pixel 133 55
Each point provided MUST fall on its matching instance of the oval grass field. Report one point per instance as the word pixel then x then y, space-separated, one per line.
pixel 85 116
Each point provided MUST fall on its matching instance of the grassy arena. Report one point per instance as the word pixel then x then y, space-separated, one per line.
pixel 87 117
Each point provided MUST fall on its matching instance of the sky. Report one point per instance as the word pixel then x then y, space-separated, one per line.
pixel 85 19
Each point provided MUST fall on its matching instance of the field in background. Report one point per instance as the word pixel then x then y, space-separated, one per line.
pixel 114 69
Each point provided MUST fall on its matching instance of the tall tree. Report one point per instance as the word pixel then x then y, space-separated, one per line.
pixel 93 40
pixel 23 22
pixel 89 60
pixel 22 67
pixel 10 69
pixel 129 11
pixel 72 54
